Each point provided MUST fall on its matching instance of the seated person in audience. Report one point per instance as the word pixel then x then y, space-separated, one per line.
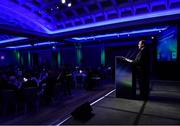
pixel 43 75
pixel 89 80
pixel 28 82
pixel 14 81
pixel 5 85
pixel 35 77
pixel 66 79
pixel 50 86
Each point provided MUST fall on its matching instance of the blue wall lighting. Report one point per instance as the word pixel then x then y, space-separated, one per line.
pixel 35 45
pixel 13 39
pixel 119 35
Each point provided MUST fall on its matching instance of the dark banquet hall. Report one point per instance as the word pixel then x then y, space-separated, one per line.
pixel 89 62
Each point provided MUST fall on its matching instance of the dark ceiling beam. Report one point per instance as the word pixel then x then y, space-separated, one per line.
pixel 50 4
pixel 86 9
pixel 74 12
pixel 115 4
pixel 99 5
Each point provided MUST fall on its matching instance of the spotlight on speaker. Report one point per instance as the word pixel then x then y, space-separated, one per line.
pixel 83 112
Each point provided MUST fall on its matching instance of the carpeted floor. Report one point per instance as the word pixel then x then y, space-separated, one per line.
pixel 60 109
pixel 162 108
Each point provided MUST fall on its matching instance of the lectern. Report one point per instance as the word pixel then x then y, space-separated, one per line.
pixel 124 79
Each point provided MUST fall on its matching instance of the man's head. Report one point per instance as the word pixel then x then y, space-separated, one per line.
pixel 141 44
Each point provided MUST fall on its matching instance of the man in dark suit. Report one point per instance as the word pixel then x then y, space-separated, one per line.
pixel 141 66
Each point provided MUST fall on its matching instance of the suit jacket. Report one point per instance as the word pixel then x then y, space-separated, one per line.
pixel 141 61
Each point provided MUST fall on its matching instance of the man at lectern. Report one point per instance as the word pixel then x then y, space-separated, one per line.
pixel 142 66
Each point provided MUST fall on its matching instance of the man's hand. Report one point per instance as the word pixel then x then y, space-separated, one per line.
pixel 129 60
pixel 122 57
pixel 126 59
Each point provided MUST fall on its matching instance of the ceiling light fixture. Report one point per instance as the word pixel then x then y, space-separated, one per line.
pixel 69 4
pixel 63 1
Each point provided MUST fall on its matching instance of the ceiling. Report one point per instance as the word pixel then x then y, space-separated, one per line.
pixel 52 19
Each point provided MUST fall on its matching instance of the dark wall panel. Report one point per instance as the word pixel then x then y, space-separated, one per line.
pixel 45 57
pixel 7 58
pixel 112 52
pixel 68 56
pixel 91 56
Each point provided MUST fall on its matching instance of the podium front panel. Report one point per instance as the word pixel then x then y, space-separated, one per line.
pixel 123 78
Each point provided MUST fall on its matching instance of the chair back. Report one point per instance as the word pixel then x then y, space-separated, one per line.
pixel 30 94
pixel 8 96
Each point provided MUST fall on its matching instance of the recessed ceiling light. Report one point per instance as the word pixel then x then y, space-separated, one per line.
pixel 63 1
pixel 53 47
pixel 69 4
